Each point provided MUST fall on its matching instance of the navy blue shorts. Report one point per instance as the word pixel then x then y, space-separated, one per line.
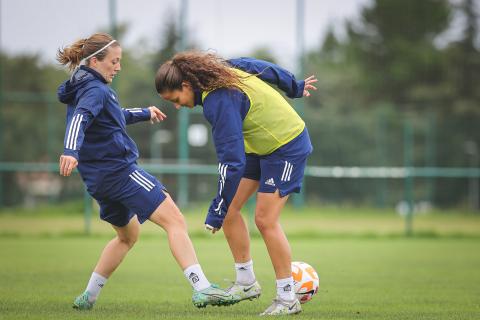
pixel 283 169
pixel 132 192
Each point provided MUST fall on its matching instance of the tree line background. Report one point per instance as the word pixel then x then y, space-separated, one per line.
pixel 398 62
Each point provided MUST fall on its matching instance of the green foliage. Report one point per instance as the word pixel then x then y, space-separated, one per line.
pixel 396 64
pixel 394 44
pixel 390 69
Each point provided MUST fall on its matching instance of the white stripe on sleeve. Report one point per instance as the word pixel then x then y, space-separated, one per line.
pixel 134 110
pixel 219 206
pixel 72 131
pixel 67 143
pixel 76 130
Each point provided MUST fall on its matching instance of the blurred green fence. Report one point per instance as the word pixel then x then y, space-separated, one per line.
pixel 47 183
pixel 374 158
pixel 378 160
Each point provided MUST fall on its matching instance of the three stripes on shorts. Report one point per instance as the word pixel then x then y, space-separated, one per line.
pixel 142 181
pixel 287 171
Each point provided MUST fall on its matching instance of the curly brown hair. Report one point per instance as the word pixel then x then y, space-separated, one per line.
pixel 205 71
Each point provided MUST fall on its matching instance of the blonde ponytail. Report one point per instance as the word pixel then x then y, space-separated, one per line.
pixel 71 55
pixel 97 44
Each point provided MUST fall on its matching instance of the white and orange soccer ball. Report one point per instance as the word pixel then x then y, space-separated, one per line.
pixel 305 280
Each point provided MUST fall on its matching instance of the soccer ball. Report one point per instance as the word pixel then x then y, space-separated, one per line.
pixel 305 280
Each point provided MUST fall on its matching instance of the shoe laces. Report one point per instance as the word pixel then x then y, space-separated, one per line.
pixel 85 298
pixel 232 284
pixel 273 306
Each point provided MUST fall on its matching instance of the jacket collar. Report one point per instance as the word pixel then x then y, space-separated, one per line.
pixel 96 74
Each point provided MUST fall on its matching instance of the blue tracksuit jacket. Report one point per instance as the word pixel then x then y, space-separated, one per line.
pixel 225 109
pixel 96 127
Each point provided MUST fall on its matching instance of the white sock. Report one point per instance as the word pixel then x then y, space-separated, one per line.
pixel 245 275
pixel 195 276
pixel 285 289
pixel 94 286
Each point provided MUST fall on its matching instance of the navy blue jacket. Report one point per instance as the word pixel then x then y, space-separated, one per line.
pixel 225 109
pixel 96 127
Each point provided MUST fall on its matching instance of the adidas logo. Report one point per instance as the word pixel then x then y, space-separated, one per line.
pixel 270 182
pixel 193 277
pixel 287 288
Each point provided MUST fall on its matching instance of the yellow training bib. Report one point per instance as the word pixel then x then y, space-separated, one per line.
pixel 270 122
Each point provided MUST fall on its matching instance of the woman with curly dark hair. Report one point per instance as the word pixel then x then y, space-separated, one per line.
pixel 262 145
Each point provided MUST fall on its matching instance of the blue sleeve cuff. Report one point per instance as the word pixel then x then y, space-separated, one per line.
pixel 299 91
pixel 134 115
pixel 215 221
pixel 72 153
pixel 215 218
pixel 146 114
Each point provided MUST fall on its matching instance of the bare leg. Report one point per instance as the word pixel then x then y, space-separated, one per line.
pixel 117 248
pixel 169 217
pixel 234 226
pixel 267 213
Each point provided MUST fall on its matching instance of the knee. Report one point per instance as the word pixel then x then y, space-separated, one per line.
pixel 234 211
pixel 232 216
pixel 129 240
pixel 262 221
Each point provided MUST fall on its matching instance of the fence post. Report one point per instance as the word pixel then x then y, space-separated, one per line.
pixel 183 119
pixel 430 154
pixel 87 212
pixel 299 198
pixel 381 184
pixel 408 186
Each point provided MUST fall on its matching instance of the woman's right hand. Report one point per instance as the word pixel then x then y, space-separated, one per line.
pixel 67 164
pixel 309 85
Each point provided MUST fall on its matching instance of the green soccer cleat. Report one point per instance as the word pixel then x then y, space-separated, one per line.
pixel 245 292
pixel 82 302
pixel 282 307
pixel 213 296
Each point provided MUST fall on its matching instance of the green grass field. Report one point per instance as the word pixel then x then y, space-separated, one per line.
pixel 367 269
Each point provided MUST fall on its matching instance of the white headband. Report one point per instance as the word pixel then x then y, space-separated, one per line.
pixel 100 50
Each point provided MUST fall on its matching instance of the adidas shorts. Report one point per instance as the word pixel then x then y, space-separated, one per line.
pixel 132 192
pixel 283 169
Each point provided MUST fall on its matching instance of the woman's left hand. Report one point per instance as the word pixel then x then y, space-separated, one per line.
pixel 309 86
pixel 156 115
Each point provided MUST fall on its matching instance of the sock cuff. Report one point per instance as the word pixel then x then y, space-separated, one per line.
pixel 283 282
pixel 285 289
pixel 196 277
pixel 192 267
pixel 244 264
pixel 99 276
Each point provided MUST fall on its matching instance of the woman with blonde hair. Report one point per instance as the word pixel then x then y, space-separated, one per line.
pixel 262 146
pixel 96 141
